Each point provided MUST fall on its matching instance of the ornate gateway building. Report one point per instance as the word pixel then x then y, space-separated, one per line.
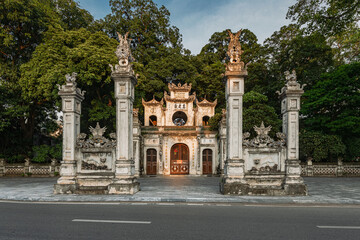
pixel 176 138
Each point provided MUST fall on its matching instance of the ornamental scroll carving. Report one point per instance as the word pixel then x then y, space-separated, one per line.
pixel 96 140
pixel 265 169
pixel 94 165
pixel 123 52
pixel 262 139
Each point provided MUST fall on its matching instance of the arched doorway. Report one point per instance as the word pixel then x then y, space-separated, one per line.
pixel 207 161
pixel 151 162
pixel 179 159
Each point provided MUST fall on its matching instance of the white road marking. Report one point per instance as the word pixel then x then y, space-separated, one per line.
pixel 340 227
pixel 139 203
pixel 166 204
pixel 300 206
pixel 110 221
pixel 195 204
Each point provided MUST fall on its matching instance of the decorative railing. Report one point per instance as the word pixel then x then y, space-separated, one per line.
pixel 339 169
pixel 29 169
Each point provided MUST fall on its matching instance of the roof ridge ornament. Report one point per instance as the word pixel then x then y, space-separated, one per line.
pixel 183 88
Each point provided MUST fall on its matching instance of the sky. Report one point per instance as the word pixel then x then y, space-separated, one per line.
pixel 197 20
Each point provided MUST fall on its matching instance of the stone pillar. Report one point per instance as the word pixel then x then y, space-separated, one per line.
pixel 137 142
pixel 309 167
pixel 2 167
pixel 233 181
pixel 52 167
pixel 125 181
pixel 71 107
pixel 222 142
pixel 27 168
pixel 290 107
pixel 340 167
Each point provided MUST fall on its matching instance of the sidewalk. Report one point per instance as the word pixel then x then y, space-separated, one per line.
pixel 184 189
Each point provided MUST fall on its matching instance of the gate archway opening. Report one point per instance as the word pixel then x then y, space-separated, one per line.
pixel 207 161
pixel 151 161
pixel 179 159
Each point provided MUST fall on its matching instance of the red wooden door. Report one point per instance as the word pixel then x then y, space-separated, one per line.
pixel 179 159
pixel 207 161
pixel 151 163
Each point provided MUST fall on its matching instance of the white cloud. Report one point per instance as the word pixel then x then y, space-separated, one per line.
pixel 262 17
pixel 199 19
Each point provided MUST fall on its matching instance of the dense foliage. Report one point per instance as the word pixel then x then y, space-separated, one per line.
pixel 42 40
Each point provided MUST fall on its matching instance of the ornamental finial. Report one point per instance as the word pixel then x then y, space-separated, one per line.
pixel 123 53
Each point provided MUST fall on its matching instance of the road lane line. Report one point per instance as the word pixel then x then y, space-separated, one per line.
pixel 195 204
pixel 299 206
pixel 166 204
pixel 139 204
pixel 110 221
pixel 339 227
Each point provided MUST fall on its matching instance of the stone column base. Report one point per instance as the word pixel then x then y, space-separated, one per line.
pixel 124 186
pixel 64 188
pixel 233 187
pixel 299 189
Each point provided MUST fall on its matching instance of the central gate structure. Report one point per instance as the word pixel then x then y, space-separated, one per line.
pixel 176 138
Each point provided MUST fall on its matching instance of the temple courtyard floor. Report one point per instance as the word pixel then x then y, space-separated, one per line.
pixel 184 189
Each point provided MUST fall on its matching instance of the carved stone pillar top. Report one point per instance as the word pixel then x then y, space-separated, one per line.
pixel 292 87
pixel 235 67
pixel 123 53
pixel 70 89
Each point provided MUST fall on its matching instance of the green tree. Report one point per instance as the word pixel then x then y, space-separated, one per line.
pixel 218 45
pixel 346 45
pixel 80 51
pixel 148 26
pixel 71 16
pixel 329 17
pixel 23 25
pixel 289 49
pixel 320 147
pixel 332 105
pixel 256 111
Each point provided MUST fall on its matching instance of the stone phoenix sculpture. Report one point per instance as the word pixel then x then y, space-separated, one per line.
pixel 123 52
pixel 234 52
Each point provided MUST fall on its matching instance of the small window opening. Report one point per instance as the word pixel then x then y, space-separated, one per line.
pixel 179 118
pixel 152 120
pixel 206 120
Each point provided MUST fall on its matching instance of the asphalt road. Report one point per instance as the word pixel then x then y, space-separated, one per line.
pixel 176 221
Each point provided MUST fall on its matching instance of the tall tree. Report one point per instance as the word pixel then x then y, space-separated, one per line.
pixel 148 26
pixel 332 107
pixel 79 51
pixel 23 24
pixel 333 103
pixel 329 17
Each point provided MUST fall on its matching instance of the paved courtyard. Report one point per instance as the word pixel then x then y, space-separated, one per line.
pixel 184 189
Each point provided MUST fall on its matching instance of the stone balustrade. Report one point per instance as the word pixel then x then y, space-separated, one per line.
pixel 339 169
pixel 29 169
